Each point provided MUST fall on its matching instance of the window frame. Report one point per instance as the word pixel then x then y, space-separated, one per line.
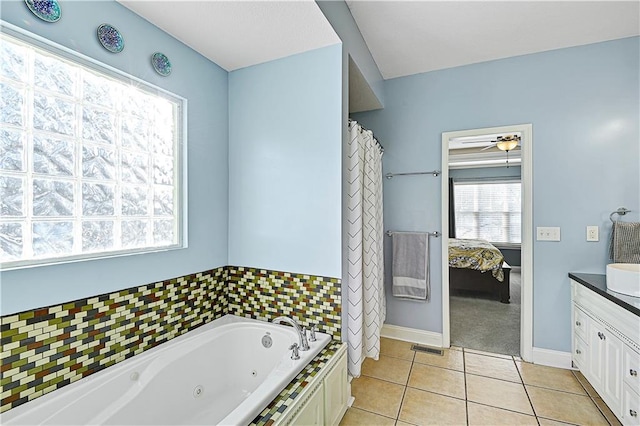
pixel 180 172
pixel 493 180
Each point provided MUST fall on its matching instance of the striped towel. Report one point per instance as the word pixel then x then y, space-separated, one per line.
pixel 624 245
pixel 410 265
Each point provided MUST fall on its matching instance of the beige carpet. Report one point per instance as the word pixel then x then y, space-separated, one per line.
pixel 481 322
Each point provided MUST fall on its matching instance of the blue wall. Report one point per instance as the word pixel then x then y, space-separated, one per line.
pixel 584 106
pixel 195 78
pixel 338 14
pixel 285 147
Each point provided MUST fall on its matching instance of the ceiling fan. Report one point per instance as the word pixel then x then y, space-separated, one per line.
pixel 504 143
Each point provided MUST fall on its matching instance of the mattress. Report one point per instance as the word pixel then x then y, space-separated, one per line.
pixel 480 255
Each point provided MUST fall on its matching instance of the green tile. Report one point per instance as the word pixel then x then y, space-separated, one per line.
pixel 55 321
pixel 19 389
pixel 26 315
pixel 18 350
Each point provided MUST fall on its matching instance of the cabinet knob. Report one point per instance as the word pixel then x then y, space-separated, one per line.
pixel 601 335
pixel 578 351
pixel 633 413
pixel 633 372
pixel 578 323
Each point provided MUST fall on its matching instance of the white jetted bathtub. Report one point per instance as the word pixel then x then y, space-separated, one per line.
pixel 220 373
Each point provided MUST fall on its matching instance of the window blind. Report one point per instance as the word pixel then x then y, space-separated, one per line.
pixel 488 210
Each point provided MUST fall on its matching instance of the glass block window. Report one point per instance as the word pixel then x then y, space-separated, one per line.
pixel 90 159
pixel 488 210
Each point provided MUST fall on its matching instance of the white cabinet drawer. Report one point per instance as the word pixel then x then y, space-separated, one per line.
pixel 631 371
pixel 630 407
pixel 579 353
pixel 580 322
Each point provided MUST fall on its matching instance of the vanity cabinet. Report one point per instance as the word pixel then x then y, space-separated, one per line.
pixel 606 349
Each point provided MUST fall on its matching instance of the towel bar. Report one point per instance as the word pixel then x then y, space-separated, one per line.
pixel 431 234
pixel 621 211
pixel 433 172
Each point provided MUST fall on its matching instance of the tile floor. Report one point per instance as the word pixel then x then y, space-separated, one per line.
pixel 468 387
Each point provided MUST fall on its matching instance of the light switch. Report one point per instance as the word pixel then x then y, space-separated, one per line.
pixel 592 233
pixel 548 233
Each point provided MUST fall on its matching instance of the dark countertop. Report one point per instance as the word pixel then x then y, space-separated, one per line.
pixel 598 283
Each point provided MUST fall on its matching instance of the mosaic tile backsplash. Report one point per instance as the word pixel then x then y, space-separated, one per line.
pixel 262 294
pixel 48 348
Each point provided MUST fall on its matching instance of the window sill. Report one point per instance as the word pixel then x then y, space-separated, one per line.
pixel 26 264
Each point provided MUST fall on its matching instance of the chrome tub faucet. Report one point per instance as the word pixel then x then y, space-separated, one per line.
pixel 302 332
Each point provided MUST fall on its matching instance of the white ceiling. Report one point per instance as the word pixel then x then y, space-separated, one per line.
pixel 237 34
pixel 404 37
pixel 409 37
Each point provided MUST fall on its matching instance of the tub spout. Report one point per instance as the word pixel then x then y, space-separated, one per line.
pixel 302 332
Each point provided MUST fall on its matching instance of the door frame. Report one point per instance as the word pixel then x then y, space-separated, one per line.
pixel 526 313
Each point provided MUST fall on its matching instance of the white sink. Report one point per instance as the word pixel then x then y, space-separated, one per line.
pixel 624 278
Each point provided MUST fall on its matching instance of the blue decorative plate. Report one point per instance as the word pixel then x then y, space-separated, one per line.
pixel 47 10
pixel 110 38
pixel 161 64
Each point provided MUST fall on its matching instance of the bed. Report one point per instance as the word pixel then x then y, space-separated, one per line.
pixel 479 266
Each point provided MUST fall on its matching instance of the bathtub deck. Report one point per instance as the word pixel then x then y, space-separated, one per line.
pixel 286 398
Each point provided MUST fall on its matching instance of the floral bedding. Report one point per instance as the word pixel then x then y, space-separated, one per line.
pixel 480 255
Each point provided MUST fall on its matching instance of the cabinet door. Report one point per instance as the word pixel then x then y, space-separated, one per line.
pixel 313 412
pixel 595 359
pixel 335 392
pixel 613 350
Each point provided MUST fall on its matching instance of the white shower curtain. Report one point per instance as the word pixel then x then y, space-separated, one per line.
pixel 366 300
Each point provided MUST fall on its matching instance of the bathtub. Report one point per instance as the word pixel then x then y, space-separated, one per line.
pixel 220 373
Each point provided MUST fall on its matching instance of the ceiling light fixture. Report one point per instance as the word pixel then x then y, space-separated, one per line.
pixel 507 143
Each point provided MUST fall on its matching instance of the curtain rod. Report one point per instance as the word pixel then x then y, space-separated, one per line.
pixel 374 138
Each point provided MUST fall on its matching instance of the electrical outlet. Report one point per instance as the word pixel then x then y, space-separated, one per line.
pixel 548 233
pixel 592 233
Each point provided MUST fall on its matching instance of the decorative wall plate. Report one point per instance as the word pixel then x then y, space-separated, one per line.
pixel 161 64
pixel 110 38
pixel 47 10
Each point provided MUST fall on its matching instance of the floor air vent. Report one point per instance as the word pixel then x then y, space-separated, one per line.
pixel 434 351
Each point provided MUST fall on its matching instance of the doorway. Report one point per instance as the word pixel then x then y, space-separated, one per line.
pixel 526 297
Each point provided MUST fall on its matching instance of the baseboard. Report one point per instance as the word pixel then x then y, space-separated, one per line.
pixel 551 358
pixel 412 335
pixel 352 398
